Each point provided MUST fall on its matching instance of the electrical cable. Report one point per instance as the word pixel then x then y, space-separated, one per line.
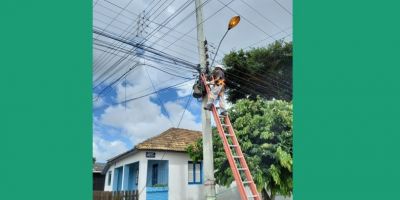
pixel 158 98
pixel 245 19
pixel 260 14
pixel 258 42
pixel 170 62
pixel 187 104
pixel 283 7
pixel 152 50
pixel 139 97
pixel 219 10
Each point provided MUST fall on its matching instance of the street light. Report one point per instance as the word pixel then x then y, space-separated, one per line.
pixel 232 23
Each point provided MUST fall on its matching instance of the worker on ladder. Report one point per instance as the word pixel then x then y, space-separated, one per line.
pixel 217 85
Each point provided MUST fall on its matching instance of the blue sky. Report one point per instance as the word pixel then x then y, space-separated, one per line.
pixel 118 127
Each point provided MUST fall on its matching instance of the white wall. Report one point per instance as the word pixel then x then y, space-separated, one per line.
pixel 139 156
pixel 178 187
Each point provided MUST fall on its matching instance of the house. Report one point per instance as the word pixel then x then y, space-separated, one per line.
pixel 98 176
pixel 159 168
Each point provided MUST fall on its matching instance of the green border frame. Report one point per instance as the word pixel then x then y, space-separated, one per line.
pixel 346 100
pixel 346 96
pixel 46 107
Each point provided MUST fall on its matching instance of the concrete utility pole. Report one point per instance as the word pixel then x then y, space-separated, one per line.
pixel 208 158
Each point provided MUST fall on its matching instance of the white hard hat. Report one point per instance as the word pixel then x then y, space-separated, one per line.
pixel 220 66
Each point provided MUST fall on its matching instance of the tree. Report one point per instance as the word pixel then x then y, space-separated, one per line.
pixel 264 130
pixel 266 72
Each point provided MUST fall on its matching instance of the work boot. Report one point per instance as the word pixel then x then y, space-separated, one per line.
pixel 224 112
pixel 208 106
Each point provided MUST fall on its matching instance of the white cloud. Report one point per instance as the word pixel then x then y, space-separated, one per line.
pixel 98 101
pixel 143 118
pixel 185 89
pixel 104 149
pixel 139 120
pixel 171 9
pixel 188 120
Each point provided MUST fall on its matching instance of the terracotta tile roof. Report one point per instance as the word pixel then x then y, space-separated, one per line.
pixel 173 139
pixel 98 167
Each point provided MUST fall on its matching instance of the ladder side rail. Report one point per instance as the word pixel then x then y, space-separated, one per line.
pixel 242 160
pixel 229 157
pixel 228 150
pixel 203 79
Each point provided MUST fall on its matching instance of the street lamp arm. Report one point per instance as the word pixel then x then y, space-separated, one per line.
pixel 216 53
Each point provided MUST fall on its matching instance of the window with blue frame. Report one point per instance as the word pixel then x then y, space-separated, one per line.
pixel 195 172
pixel 154 179
pixel 137 176
pixel 109 178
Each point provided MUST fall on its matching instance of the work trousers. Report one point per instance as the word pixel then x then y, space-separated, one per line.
pixel 217 92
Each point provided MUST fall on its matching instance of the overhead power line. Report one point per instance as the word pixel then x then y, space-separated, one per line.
pixel 251 90
pixel 160 38
pixel 148 94
pixel 245 18
pixel 158 98
pixel 126 6
pixel 258 42
pixel 187 104
pixel 116 80
pixel 260 14
pixel 111 46
pixel 283 7
pixel 153 22
pixel 185 34
pixel 176 60
pixel 166 21
pixel 183 19
pixel 146 48
pixel 169 64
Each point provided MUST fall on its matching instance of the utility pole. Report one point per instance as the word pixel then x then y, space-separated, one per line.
pixel 208 157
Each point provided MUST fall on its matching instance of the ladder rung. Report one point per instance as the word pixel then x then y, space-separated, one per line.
pixel 237 156
pixel 252 196
pixel 228 135
pixel 242 169
pixel 232 145
pixel 226 125
pixel 247 182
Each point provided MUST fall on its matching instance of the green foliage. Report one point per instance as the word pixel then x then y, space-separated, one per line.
pixel 260 71
pixel 159 185
pixel 195 151
pixel 264 131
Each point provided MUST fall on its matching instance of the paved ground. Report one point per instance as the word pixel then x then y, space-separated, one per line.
pixel 233 194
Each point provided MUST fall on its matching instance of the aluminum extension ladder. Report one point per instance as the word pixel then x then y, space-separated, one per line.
pixel 234 154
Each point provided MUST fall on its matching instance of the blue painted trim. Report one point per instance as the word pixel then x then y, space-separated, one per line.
pixel 117 179
pixel 130 173
pixel 201 172
pixel 109 174
pixel 157 193
pixel 194 173
pixel 163 168
pixel 156 189
pixel 191 183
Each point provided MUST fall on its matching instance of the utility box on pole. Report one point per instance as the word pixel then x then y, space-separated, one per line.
pixel 208 157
